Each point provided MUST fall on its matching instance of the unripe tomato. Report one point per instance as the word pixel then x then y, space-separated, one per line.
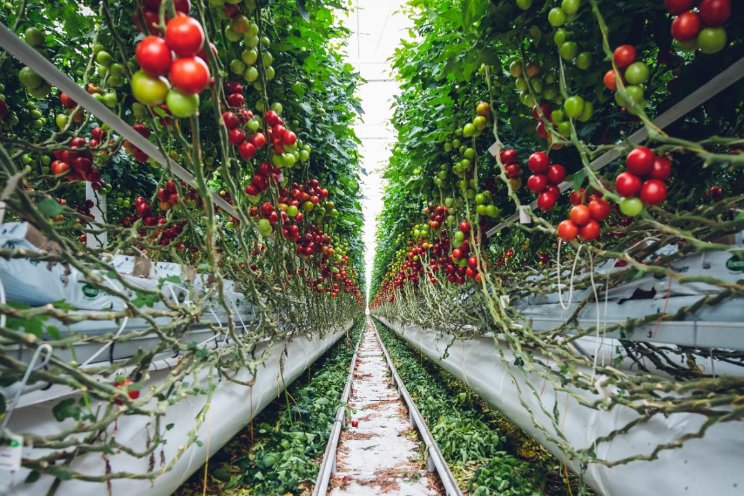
pixel 637 73
pixel 153 55
pixel 627 184
pixel 715 13
pixel 574 106
pixel 653 192
pixel 580 215
pixel 149 90
pixel 640 161
pixel 631 206
pixel 567 230
pixel 182 104
pixel 686 26
pixel 711 40
pixel 184 35
pixel 538 162
pixel 189 75
pixel 624 55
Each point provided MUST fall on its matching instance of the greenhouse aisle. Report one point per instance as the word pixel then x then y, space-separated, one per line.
pixel 379 452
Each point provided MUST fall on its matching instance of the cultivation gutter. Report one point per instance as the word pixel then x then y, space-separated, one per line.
pixel 711 465
pixel 232 407
pixel 435 460
pixel 328 465
pixel 707 91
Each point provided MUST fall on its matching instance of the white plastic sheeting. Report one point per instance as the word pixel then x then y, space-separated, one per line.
pixel 232 407
pixel 707 466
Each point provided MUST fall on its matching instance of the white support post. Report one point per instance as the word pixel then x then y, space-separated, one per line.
pixel 99 215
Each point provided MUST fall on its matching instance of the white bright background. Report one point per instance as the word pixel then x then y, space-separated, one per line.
pixel 377 27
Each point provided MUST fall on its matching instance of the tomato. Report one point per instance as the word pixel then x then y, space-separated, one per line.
pixel 570 7
pixel 584 60
pixel 573 106
pixel 153 55
pixel 59 167
pixel 715 13
pixel 610 81
pixel 537 183
pixel 484 109
pixel 711 40
pixel 686 26
pixel 624 55
pixel 189 74
pixel 662 168
pixel 259 140
pixel 68 102
pixel 513 171
pixel 576 197
pixel 147 89
pixel 599 209
pixel 631 206
pixel 556 174
pixel 567 230
pixel 538 162
pixel 627 184
pixel 590 231
pixel 637 73
pixel 653 192
pixel 182 104
pixel 236 100
pixel 184 35
pixel 464 227
pixel 580 215
pixel 541 131
pixel 568 50
pixel 556 17
pixel 640 161
pixel 547 199
pixel 508 156
pixel 29 78
pixel 676 7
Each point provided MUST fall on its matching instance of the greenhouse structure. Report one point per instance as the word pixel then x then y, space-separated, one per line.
pixel 371 247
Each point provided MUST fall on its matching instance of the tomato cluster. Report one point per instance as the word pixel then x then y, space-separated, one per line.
pixel 701 28
pixel 584 219
pixel 545 179
pixel 634 75
pixel 645 176
pixel 76 162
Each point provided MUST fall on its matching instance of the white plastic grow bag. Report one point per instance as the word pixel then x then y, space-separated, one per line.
pixel 708 466
pixel 231 408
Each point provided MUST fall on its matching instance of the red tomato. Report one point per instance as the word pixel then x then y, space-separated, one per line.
pixel 184 35
pixel 580 215
pixel 464 226
pixel 627 184
pixel 610 81
pixel 662 168
pixel 189 74
pixel 556 174
pixel 590 231
pixel 715 12
pixel 640 160
pixel 567 230
pixel 67 101
pixel 653 192
pixel 508 156
pixel 599 209
pixel 538 162
pixel 624 55
pixel 59 167
pixel 513 171
pixel 259 140
pixel 576 197
pixel 676 7
pixel 230 119
pixel 537 183
pixel 546 200
pixel 686 26
pixel 541 131
pixel 236 136
pixel 235 100
pixel 153 55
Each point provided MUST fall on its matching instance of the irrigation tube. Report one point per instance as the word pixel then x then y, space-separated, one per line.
pixel 707 466
pixel 328 465
pixel 435 456
pixel 707 91
pixel 232 407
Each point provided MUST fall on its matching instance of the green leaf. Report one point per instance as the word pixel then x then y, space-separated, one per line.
pixel 65 409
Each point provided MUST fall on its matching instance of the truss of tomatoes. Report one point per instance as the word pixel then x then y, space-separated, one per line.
pixel 699 25
pixel 545 179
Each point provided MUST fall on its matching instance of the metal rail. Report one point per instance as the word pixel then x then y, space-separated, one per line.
pixel 707 91
pixel 328 465
pixel 435 460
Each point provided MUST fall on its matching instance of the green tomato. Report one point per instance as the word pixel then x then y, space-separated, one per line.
pixel 265 42
pixel 117 69
pixel 251 40
pixel 560 36
pixel 254 125
pixel 569 50
pixel 249 57
pixel 631 206
pixel 637 73
pixel 492 210
pixel 40 91
pixel 570 7
pixel 480 123
pixel 270 73
pixel 237 66
pixel 711 40
pixel 456 142
pixel 515 69
pixel 289 159
pixel 587 112
pixel 480 209
pixel 537 85
pixel 29 79
pixel 116 81
pixel 527 99
pixel 110 99
pixel 250 74
pixel 520 84
pixel 253 29
pixel 232 35
pixel 459 236
pixel 264 227
pixel 480 199
pixel 138 110
pixel 469 153
pixel 556 17
pixel 524 4
pixel 277 107
pixel 182 105
pixel 573 106
pixel 468 130
pixel 149 90
pixel 292 211
pixel 557 116
pixel 564 128
pixel 550 92
pixel 584 60
pixel 34 37
pixel 104 58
